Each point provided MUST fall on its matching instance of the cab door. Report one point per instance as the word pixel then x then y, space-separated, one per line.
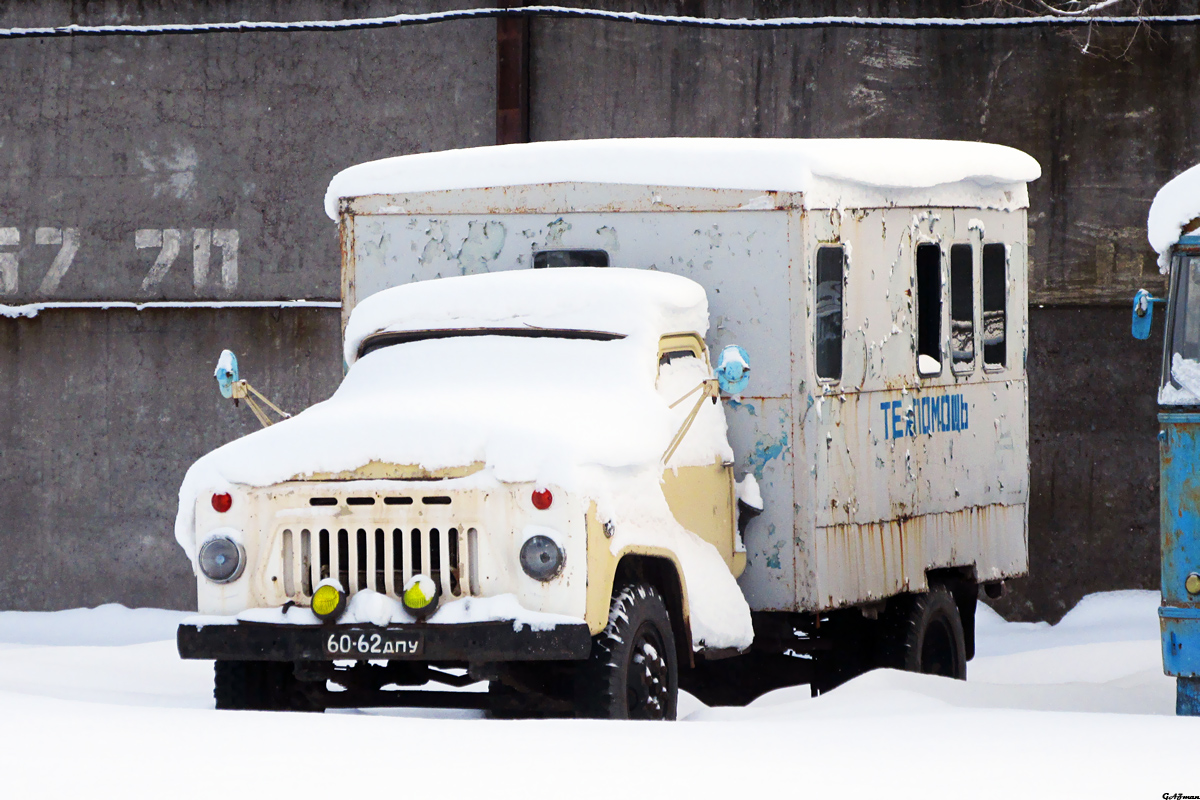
pixel 698 480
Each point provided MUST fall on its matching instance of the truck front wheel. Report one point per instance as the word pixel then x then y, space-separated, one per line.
pixel 633 672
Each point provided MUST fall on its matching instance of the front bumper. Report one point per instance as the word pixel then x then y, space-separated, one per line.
pixel 472 642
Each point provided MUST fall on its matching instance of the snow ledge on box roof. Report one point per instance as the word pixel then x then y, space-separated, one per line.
pixel 787 165
pixel 1176 204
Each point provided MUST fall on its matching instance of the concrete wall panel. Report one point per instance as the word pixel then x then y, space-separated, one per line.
pixel 166 156
pixel 101 413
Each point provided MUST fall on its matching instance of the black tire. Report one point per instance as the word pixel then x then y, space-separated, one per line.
pixel 262 686
pixel 633 671
pixel 925 634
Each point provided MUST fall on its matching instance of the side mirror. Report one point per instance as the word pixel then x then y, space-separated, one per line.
pixel 733 369
pixel 226 373
pixel 1143 313
pixel 234 388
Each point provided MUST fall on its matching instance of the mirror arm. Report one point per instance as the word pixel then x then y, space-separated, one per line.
pixel 711 390
pixel 242 390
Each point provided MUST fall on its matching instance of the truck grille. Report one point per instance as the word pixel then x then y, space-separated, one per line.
pixel 377 558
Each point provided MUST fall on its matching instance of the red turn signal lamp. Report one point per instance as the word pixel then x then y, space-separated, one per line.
pixel 223 501
pixel 542 499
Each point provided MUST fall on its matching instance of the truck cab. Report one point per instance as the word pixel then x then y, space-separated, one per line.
pixel 1179 452
pixel 509 459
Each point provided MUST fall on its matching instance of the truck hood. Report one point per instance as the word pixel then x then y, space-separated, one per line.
pixel 529 409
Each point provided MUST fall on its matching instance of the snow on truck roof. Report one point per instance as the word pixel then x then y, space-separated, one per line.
pixel 1176 204
pixel 626 302
pixel 785 165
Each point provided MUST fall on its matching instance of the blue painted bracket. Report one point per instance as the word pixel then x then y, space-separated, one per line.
pixel 1180 640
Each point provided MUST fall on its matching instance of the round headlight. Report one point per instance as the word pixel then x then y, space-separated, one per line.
pixel 221 560
pixel 328 602
pixel 541 557
pixel 421 595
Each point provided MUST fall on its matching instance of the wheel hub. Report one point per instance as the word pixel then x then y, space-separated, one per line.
pixel 647 680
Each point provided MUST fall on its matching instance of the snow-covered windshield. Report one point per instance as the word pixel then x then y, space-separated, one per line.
pixel 388 338
pixel 540 365
pixel 1181 370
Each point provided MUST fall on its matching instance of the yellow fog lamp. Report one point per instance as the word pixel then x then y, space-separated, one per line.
pixel 421 596
pixel 329 601
pixel 1192 583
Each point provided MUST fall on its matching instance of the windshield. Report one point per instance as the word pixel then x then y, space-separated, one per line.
pixel 388 338
pixel 1181 363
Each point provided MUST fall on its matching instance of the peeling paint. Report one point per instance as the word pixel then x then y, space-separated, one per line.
pixel 766 450
pixel 774 559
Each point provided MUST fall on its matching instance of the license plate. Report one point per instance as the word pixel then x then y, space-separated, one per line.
pixel 373 644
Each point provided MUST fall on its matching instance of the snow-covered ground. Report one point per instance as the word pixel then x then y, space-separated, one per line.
pixel 96 703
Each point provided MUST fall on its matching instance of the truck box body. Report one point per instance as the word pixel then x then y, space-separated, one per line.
pixel 868 480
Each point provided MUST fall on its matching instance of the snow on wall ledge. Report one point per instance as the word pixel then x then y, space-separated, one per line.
pixel 826 166
pixel 1176 204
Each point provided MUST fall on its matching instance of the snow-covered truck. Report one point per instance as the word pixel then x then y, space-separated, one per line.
pixel 539 472
pixel 1173 228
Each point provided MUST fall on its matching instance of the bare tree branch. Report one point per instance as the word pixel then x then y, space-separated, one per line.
pixel 1083 12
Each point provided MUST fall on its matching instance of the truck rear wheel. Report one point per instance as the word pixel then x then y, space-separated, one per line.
pixel 925 634
pixel 633 671
pixel 261 686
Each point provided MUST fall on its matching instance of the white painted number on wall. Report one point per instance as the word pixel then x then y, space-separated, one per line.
pixel 9 237
pixel 67 240
pixel 169 240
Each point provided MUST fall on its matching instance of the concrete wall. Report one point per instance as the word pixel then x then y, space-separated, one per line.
pixel 217 133
pixel 100 415
pixel 102 411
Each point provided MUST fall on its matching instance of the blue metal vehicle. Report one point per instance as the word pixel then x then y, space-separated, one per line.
pixel 1179 449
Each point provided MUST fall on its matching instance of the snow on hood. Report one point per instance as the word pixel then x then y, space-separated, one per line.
pixel 540 409
pixel 788 165
pixel 530 408
pixel 640 304
pixel 1176 204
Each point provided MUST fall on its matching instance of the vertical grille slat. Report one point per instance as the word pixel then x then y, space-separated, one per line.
pixel 325 565
pixel 378 563
pixel 343 560
pixel 415 562
pixel 398 561
pixel 289 563
pixel 454 568
pixel 435 557
pixel 362 557
pixel 472 569
pixel 306 562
